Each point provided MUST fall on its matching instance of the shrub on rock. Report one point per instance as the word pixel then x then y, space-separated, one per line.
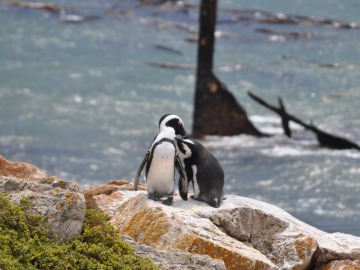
pixel 26 244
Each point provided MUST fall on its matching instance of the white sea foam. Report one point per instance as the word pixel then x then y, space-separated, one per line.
pixel 260 119
pixel 277 146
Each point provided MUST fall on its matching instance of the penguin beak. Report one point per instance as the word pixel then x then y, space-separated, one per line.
pixel 183 132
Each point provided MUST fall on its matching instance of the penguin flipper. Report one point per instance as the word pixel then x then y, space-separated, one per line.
pixel 183 181
pixel 183 194
pixel 137 176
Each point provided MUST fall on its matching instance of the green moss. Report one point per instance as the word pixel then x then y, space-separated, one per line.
pixel 25 243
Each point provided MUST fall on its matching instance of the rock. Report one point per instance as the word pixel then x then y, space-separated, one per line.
pixel 268 228
pixel 20 169
pixel 285 240
pixel 59 201
pixel 341 265
pixel 176 260
pixel 109 197
pixel 173 228
pixel 244 233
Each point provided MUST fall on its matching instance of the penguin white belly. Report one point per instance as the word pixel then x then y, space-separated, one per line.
pixel 196 185
pixel 161 175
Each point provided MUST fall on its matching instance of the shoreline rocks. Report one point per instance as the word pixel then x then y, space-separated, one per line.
pixel 243 232
pixel 174 228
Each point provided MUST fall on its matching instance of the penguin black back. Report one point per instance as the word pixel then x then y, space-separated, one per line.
pixel 204 171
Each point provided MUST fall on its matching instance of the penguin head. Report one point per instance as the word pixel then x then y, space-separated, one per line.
pixel 172 121
pixel 186 148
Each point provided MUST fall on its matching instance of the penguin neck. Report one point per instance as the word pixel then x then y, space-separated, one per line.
pixel 166 132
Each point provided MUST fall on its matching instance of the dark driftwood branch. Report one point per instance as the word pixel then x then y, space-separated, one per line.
pixel 325 139
pixel 280 111
pixel 284 118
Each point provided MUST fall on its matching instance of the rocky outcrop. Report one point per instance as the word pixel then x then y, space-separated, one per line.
pixel 108 198
pixel 20 169
pixel 175 259
pixel 341 265
pixel 59 201
pixel 173 228
pixel 285 240
pixel 243 233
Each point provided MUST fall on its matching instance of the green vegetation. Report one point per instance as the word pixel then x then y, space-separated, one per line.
pixel 25 243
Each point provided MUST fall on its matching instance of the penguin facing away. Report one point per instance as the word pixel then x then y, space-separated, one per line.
pixel 161 160
pixel 204 171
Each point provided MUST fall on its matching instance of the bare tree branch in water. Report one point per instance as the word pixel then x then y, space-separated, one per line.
pixel 325 139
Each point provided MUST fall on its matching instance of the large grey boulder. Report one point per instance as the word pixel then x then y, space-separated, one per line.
pixel 285 240
pixel 58 200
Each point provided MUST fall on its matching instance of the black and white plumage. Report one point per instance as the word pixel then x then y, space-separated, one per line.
pixel 161 160
pixel 204 171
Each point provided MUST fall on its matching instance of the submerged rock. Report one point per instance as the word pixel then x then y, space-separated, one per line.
pixel 243 233
pixel 58 200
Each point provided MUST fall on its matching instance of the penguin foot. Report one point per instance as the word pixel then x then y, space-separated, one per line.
pixel 168 201
pixel 152 196
pixel 214 203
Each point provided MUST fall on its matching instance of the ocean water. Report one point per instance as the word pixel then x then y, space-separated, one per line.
pixel 82 100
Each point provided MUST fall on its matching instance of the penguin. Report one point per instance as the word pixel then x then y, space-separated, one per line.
pixel 203 170
pixel 161 160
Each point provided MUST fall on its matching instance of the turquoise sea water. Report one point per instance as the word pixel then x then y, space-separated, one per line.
pixel 82 101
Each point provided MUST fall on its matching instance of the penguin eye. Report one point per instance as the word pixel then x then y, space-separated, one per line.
pixel 180 123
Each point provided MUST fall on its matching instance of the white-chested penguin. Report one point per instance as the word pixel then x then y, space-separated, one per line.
pixel 204 171
pixel 161 160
